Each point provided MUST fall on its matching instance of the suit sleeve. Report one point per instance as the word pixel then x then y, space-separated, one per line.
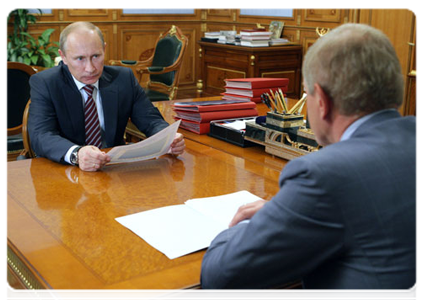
pixel 43 125
pixel 288 238
pixel 145 115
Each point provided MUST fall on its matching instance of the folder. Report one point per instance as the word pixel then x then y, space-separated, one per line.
pixel 253 92
pixel 196 127
pixel 256 82
pixel 219 105
pixel 202 117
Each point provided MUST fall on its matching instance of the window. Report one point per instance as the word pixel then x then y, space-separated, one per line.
pixel 287 13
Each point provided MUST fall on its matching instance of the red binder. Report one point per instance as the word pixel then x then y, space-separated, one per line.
pixel 202 117
pixel 205 106
pixel 253 92
pixel 256 82
pixel 199 128
pixel 230 97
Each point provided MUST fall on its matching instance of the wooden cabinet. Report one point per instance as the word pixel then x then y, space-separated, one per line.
pixel 219 62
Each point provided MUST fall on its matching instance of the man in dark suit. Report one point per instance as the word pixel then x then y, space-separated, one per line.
pixel 57 122
pixel 345 216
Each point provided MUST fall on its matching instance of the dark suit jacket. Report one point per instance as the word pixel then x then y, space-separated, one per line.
pixel 344 218
pixel 56 114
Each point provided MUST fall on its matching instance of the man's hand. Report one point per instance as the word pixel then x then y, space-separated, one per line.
pixel 91 158
pixel 178 145
pixel 247 211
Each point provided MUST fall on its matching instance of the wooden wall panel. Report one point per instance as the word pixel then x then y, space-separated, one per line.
pixel 322 15
pixel 91 15
pixel 128 36
pixel 399 26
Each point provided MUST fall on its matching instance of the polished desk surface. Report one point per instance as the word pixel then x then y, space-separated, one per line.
pixel 62 232
pixel 253 154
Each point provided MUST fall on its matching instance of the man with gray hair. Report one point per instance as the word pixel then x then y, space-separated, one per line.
pixel 82 106
pixel 344 217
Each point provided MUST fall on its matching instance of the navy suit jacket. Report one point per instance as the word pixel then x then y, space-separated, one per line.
pixel 56 114
pixel 344 218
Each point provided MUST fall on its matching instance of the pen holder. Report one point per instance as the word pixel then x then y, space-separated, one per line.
pixel 284 122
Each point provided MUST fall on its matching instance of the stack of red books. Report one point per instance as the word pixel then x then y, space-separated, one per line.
pixel 250 89
pixel 196 116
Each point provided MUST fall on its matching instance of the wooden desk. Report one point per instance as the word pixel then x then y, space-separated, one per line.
pixel 220 62
pixel 254 154
pixel 61 227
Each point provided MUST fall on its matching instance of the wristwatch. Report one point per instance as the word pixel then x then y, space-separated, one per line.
pixel 74 156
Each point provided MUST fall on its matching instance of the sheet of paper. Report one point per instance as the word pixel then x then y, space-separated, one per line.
pixel 222 208
pixel 178 230
pixel 152 147
pixel 174 230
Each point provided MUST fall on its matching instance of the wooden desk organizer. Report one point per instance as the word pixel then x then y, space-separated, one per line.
pixel 283 135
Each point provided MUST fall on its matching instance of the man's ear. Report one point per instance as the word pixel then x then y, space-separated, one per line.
pixel 325 104
pixel 62 55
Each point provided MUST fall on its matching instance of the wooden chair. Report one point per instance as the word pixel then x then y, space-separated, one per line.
pixel 163 66
pixel 18 94
pixel 27 152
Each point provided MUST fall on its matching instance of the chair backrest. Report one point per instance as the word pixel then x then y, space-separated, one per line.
pixel 29 153
pixel 18 94
pixel 169 50
pixel 166 53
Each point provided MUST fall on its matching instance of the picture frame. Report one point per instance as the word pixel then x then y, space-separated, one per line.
pixel 276 27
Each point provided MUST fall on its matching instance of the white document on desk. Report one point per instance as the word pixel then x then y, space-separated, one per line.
pixel 178 230
pixel 153 147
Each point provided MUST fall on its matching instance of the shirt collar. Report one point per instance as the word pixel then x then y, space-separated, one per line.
pixel 356 124
pixel 80 84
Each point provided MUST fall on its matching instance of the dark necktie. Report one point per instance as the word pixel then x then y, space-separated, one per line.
pixel 92 124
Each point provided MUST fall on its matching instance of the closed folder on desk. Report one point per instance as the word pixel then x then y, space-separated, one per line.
pixel 253 92
pixel 256 82
pixel 203 117
pixel 218 105
pixel 196 127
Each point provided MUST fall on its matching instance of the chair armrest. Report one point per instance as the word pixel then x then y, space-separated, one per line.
pixel 157 70
pixel 123 63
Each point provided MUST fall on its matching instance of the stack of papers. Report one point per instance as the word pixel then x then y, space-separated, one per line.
pixel 178 230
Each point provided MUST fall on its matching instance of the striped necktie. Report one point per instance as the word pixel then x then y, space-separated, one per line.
pixel 92 124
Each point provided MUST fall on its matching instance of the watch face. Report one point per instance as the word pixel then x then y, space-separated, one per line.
pixel 73 157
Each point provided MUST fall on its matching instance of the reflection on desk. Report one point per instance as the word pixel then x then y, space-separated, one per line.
pixel 62 232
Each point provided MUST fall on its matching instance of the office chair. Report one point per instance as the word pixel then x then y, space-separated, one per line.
pixel 163 66
pixel 18 94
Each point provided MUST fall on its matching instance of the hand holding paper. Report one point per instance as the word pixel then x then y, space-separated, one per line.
pixel 152 147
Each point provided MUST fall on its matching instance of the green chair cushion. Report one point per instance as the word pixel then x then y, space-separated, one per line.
pixel 15 142
pixel 156 96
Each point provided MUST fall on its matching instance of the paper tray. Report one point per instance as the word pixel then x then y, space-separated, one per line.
pixel 220 129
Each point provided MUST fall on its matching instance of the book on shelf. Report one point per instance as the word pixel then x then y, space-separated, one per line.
pixel 274 42
pixel 209 40
pixel 229 97
pixel 196 127
pixel 253 92
pixel 253 32
pixel 257 43
pixel 212 34
pixel 256 82
pixel 215 105
pixel 203 117
pixel 255 38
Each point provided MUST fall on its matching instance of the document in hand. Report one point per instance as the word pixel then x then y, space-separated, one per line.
pixel 153 147
pixel 178 230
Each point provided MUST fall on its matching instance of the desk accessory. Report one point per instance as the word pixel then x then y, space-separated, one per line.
pixel 283 133
pixel 231 131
